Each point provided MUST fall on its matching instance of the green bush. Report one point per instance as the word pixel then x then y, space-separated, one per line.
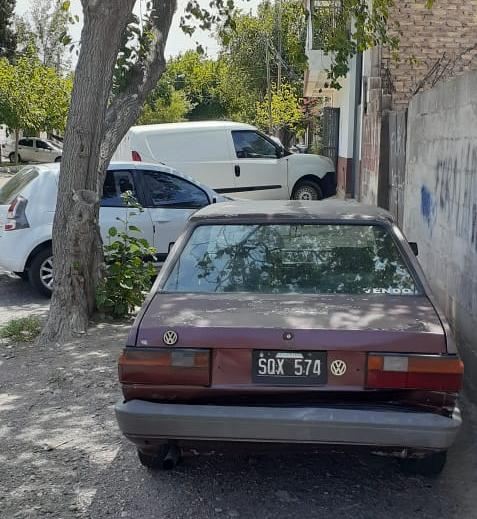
pixel 24 329
pixel 129 267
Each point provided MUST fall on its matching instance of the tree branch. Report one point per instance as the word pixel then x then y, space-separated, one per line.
pixel 126 106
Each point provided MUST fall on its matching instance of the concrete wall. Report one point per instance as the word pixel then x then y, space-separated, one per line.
pixel 441 200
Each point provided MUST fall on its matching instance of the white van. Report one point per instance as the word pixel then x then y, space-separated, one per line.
pixel 232 158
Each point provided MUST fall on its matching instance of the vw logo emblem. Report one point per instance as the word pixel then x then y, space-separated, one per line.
pixel 170 337
pixel 338 368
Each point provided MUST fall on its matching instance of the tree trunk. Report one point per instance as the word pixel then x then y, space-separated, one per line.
pixel 93 132
pixel 76 239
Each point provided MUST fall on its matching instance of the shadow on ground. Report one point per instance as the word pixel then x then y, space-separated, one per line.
pixel 62 456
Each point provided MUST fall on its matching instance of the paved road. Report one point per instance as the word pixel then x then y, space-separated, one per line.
pixel 61 454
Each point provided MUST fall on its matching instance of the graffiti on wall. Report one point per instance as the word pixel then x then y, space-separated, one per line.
pixel 428 207
pixel 456 192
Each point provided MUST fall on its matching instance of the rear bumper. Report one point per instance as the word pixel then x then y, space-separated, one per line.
pixel 140 420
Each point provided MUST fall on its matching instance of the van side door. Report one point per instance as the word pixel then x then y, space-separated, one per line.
pixel 169 200
pixel 113 212
pixel 260 169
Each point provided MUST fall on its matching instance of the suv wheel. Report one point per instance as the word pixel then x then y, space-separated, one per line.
pixel 307 190
pixel 430 466
pixel 41 272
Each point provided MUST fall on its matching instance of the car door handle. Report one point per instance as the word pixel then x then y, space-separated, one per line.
pixel 237 170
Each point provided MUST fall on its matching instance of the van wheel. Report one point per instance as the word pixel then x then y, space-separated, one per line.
pixel 41 272
pixel 430 466
pixel 58 159
pixel 307 190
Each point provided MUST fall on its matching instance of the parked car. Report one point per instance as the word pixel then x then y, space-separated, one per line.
pixel 34 149
pixel 291 322
pixel 28 202
pixel 232 158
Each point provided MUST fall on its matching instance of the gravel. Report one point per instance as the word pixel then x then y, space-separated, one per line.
pixel 62 456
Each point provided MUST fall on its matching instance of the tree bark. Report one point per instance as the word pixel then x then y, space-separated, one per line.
pixel 75 227
pixel 96 125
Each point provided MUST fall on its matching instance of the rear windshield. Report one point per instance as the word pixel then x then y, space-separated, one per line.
pixel 16 184
pixel 307 259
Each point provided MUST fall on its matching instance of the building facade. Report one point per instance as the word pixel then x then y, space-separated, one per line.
pixel 435 45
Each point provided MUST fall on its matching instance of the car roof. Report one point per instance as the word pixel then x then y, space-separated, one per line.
pixel 190 126
pixel 330 209
pixel 55 168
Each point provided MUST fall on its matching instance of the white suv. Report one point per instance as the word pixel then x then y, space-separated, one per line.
pixel 28 201
pixel 34 149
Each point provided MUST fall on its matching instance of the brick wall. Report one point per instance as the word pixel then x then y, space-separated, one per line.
pixel 435 45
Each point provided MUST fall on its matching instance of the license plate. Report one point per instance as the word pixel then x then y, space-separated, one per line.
pixel 289 367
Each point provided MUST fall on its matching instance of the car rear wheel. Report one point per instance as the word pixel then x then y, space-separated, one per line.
pixel 11 157
pixel 429 466
pixel 58 159
pixel 165 457
pixel 41 272
pixel 307 190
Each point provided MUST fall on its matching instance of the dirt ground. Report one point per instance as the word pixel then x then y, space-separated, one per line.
pixel 62 456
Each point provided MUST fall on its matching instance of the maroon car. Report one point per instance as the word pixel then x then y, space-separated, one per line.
pixel 291 322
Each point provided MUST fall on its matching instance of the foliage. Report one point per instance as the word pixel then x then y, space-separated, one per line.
pixel 32 96
pixel 46 26
pixel 24 329
pixel 128 272
pixel 246 45
pixel 172 108
pixel 346 27
pixel 286 111
pixel 197 77
pixel 7 35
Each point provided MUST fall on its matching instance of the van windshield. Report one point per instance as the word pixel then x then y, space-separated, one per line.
pixel 16 184
pixel 292 258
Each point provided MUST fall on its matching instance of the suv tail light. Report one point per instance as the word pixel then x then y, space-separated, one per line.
pixel 165 366
pixel 16 215
pixel 431 372
pixel 136 157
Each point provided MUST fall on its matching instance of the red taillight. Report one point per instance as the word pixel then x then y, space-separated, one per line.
pixel 164 366
pixel 136 157
pixel 16 215
pixel 432 372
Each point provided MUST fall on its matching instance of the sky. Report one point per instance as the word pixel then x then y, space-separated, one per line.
pixel 177 41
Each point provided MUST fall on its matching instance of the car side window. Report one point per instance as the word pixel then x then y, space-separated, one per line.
pixel 42 145
pixel 26 142
pixel 164 190
pixel 116 184
pixel 251 145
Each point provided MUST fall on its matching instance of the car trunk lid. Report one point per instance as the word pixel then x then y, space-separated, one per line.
pixel 360 323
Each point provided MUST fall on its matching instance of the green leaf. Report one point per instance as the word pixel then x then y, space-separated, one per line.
pixel 112 231
pixel 134 228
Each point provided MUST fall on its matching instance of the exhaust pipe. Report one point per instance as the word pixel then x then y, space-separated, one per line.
pixel 171 459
